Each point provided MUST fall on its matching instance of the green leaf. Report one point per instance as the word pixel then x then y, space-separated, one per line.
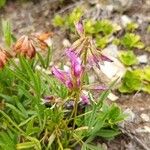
pixel 146 74
pixel 7 32
pixel 51 140
pixel 146 88
pixel 131 82
pixel 89 27
pixel 2 3
pixel 74 16
pixel 6 142
pixel 128 58
pixel 25 145
pixel 89 146
pixel 131 40
pixel 34 143
pixel 58 21
pixel 131 27
pixel 102 41
pixel 104 26
pixel 108 133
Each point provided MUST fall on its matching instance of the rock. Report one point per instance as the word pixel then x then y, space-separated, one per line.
pixel 112 97
pixel 125 20
pixel 104 146
pixel 143 59
pixel 131 115
pixel 145 117
pixel 66 43
pixel 113 70
pixel 147 129
pixel 111 50
pixel 109 8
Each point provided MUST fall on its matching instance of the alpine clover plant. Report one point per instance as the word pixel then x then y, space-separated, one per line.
pixel 53 109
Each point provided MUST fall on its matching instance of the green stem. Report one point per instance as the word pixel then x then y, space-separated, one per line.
pixel 76 108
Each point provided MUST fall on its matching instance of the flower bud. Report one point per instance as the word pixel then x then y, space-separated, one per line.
pixel 24 46
pixel 76 66
pixel 3 58
pixel 44 36
pixel 85 100
pixel 79 28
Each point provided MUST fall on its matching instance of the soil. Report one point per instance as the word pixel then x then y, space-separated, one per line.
pixel 35 16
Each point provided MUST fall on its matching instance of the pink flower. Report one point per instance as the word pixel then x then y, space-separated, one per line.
pixel 105 58
pixel 70 78
pixel 86 49
pixel 85 99
pixel 95 59
pixel 75 63
pixel 79 28
pixel 48 99
pixel 99 88
pixel 63 76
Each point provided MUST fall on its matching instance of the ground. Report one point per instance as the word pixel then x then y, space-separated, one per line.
pixel 36 16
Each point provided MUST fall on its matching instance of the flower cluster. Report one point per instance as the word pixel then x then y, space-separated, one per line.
pixel 82 52
pixel 72 77
pixel 26 46
pixel 86 49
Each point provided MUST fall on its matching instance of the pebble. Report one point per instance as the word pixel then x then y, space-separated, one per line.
pixel 147 128
pixel 112 97
pixel 125 20
pixel 111 50
pixel 66 43
pixel 143 59
pixel 104 146
pixel 131 115
pixel 113 70
pixel 145 117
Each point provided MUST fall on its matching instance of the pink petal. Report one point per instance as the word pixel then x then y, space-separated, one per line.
pixel 99 88
pixel 48 99
pixel 71 55
pixel 69 84
pixel 77 69
pixel 105 58
pixel 59 74
pixel 76 66
pixel 79 28
pixel 85 99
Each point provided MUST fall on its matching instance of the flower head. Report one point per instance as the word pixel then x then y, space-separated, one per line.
pixel 42 41
pixel 3 58
pixel 72 77
pixel 75 63
pixel 24 46
pixel 86 49
pixel 85 99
